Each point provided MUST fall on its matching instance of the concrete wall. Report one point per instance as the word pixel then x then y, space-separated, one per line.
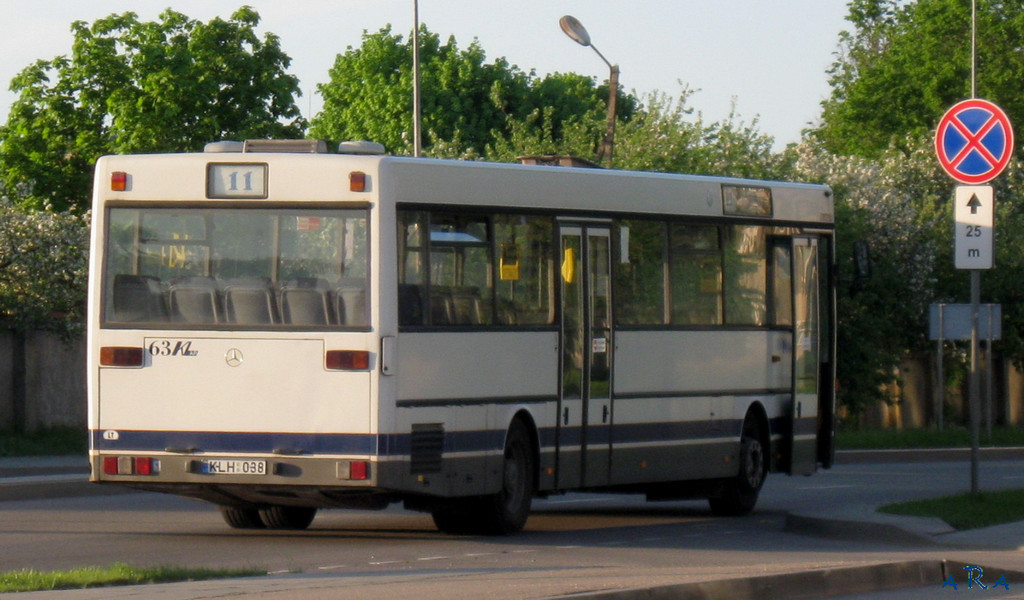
pixel 45 386
pixel 913 397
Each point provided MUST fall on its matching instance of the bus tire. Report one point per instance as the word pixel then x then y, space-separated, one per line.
pixel 287 517
pixel 458 518
pixel 739 494
pixel 241 518
pixel 506 511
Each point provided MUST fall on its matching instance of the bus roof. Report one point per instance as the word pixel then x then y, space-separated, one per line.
pixel 325 177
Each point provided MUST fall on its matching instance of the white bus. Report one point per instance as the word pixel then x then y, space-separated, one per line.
pixel 276 329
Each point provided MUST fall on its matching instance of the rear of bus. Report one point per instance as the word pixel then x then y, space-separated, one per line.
pixel 231 342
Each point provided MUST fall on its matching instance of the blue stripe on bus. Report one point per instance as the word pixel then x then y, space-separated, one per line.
pixel 400 444
pixel 215 441
pixel 306 443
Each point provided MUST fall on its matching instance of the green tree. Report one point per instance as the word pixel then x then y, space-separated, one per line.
pixel 899 69
pixel 662 134
pixel 466 102
pixel 889 203
pixel 904 64
pixel 133 86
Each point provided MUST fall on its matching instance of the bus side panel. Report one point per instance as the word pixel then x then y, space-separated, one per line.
pixel 681 397
pixel 457 392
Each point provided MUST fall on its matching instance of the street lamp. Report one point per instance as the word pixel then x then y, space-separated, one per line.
pixel 417 133
pixel 572 27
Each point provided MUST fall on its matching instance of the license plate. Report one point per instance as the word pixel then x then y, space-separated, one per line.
pixel 233 467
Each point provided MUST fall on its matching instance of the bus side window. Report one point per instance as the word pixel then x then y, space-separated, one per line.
pixel 524 295
pixel 640 273
pixel 696 271
pixel 782 283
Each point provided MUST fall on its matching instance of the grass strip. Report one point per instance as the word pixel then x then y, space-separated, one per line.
pixel 60 441
pixel 30 580
pixel 954 437
pixel 966 511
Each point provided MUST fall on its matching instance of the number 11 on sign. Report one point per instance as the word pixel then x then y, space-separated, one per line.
pixel 975 207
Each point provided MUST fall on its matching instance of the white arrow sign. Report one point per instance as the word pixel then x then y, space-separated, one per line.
pixel 975 207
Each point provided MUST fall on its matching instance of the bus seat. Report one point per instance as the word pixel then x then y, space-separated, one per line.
pixel 304 302
pixel 506 313
pixel 442 311
pixel 410 305
pixel 195 300
pixel 250 301
pixel 468 307
pixel 138 299
pixel 350 305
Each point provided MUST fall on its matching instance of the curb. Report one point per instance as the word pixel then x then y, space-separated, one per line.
pixel 866 531
pixel 824 583
pixel 848 457
pixel 46 487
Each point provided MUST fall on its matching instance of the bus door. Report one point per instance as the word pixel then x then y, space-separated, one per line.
pixel 807 350
pixel 585 405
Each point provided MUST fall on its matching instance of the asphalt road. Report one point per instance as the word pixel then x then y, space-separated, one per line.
pixel 572 543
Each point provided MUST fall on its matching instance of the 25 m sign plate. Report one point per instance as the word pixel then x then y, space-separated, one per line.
pixel 973 214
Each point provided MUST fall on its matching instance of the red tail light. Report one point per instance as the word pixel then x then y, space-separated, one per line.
pixel 118 356
pixel 357 181
pixel 131 465
pixel 347 360
pixel 355 470
pixel 110 465
pixel 359 470
pixel 144 465
pixel 118 181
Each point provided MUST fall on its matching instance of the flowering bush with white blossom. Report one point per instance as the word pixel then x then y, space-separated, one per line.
pixel 43 269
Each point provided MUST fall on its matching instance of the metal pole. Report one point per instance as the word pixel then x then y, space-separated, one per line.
pixel 941 384
pixel 989 365
pixel 974 48
pixel 974 400
pixel 417 136
pixel 608 144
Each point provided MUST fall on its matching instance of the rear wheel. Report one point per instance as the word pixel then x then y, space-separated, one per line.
pixel 241 518
pixel 739 495
pixel 502 513
pixel 287 517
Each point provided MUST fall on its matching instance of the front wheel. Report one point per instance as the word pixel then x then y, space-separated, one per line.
pixel 739 495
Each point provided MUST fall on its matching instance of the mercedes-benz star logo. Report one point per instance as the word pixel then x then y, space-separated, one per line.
pixel 234 357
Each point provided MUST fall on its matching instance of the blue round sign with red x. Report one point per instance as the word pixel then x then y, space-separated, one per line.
pixel 974 141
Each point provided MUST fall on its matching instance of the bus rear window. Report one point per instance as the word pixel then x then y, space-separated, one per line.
pixel 247 267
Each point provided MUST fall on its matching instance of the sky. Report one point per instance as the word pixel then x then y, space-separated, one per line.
pixel 763 59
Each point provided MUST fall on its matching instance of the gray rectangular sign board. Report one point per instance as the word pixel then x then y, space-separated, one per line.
pixel 955 321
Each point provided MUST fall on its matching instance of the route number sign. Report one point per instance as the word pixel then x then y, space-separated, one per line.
pixel 973 213
pixel 974 141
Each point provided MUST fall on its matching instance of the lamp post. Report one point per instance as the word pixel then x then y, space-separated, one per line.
pixel 577 33
pixel 417 133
